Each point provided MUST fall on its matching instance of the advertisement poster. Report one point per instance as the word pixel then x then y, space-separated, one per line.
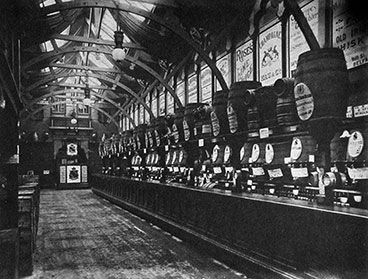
pixel 298 44
pixel 73 174
pixel 192 89
pixel 349 34
pixel 223 64
pixel 162 110
pixel 244 62
pixel 141 114
pixel 154 106
pixel 270 55
pixel 180 92
pixel 206 85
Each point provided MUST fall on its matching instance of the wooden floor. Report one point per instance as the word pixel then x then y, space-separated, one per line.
pixel 83 236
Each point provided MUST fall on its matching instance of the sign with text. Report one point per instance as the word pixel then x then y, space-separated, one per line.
pixel 270 55
pixel 297 41
pixel 192 89
pixel 349 34
pixel 206 85
pixel 244 62
pixel 223 64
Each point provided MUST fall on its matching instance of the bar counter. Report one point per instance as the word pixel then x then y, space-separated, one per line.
pixel 277 237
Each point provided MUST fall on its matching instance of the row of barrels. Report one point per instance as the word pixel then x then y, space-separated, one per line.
pixel 318 90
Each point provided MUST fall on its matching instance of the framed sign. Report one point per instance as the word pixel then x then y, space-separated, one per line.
pixel 223 64
pixel 73 174
pixel 350 34
pixel 192 89
pixel 297 41
pixel 206 85
pixel 270 67
pixel 244 62
pixel 72 149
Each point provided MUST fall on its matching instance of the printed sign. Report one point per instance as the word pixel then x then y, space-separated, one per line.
pixel 349 34
pixel 223 64
pixel 180 92
pixel 206 85
pixel 192 89
pixel 303 101
pixel 296 149
pixel 72 149
pixel 270 55
pixel 244 62
pixel 269 154
pixel 355 144
pixel 73 174
pixel 297 41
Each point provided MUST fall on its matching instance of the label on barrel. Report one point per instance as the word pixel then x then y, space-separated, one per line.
pixel 157 136
pixel 296 149
pixel 355 144
pixel 275 173
pixel 233 120
pixel 227 153
pixel 181 156
pixel 242 153
pixel 269 155
pixel 258 171
pixel 146 139
pixel 358 173
pixel 206 128
pixel 175 133
pixel 215 153
pixel 304 101
pixel 256 151
pixel 215 124
pixel 186 130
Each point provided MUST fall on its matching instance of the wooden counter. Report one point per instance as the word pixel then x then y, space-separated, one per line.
pixel 279 235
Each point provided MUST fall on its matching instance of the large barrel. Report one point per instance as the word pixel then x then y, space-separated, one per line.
pixel 219 120
pixel 321 84
pixel 237 106
pixel 266 103
pixel 139 134
pixel 253 115
pixel 161 130
pixel 189 120
pixel 285 104
pixel 177 127
pixel 202 124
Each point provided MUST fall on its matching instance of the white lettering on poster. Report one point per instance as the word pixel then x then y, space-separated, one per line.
pixel 244 62
pixel 350 34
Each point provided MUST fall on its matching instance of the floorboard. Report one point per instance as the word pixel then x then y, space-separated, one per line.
pixel 84 236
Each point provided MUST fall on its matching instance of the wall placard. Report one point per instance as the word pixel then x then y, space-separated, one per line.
pixel 244 62
pixel 192 89
pixel 270 67
pixel 206 85
pixel 223 64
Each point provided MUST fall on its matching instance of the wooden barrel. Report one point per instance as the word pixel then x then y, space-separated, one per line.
pixel 302 148
pixel 237 105
pixel 245 153
pixel 338 147
pixel 189 120
pixel 265 100
pixel 321 84
pixel 139 135
pixel 357 150
pixel 285 104
pixel 202 123
pixel 161 130
pixel 177 127
pixel 219 120
pixel 275 153
pixel 150 139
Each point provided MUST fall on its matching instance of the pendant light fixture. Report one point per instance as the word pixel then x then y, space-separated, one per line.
pixel 119 53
